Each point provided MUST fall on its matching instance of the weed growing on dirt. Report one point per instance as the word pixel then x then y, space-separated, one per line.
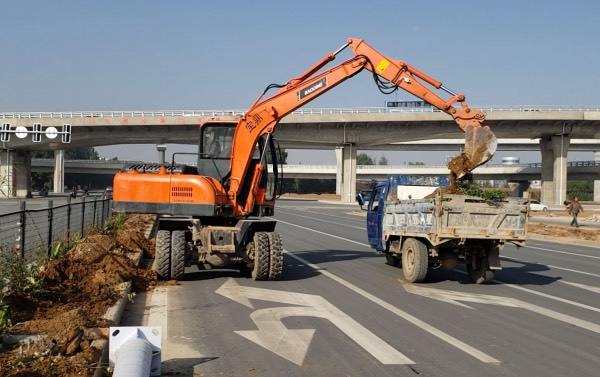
pixel 114 223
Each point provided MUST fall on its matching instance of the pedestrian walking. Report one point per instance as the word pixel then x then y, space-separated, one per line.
pixel 574 208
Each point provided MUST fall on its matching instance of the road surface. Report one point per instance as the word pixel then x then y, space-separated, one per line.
pixel 339 310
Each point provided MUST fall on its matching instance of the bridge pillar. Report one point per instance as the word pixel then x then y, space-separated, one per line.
pixel 554 168
pixel 17 174
pixel 58 182
pixel 339 161
pixel 518 188
pixel 597 182
pixel 348 170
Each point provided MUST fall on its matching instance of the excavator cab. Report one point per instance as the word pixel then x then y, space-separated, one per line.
pixel 214 150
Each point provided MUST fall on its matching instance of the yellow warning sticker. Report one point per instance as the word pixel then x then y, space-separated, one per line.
pixel 382 66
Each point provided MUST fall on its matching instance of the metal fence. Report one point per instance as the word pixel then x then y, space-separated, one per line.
pixel 33 231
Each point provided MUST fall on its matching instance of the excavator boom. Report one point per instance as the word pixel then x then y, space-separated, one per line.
pixel 263 116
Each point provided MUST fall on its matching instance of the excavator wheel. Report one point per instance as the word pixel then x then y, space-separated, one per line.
pixel 177 254
pixel 163 254
pixel 276 256
pixel 260 271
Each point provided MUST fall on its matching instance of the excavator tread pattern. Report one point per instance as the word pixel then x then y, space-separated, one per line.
pixel 276 257
pixel 177 254
pixel 260 271
pixel 163 254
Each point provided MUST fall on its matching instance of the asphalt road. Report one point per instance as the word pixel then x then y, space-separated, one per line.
pixel 339 310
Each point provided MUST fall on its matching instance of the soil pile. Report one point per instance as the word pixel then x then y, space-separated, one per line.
pixel 65 317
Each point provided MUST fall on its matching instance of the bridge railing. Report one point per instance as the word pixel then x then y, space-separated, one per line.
pixel 303 111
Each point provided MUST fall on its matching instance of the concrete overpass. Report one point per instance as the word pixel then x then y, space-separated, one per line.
pixel 552 130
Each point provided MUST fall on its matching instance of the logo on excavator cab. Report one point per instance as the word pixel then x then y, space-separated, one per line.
pixel 383 64
pixel 313 88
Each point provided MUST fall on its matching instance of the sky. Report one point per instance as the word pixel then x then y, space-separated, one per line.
pixel 72 55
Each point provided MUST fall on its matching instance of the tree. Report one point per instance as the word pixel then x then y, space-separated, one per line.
pixel 364 159
pixel 416 163
pixel 382 161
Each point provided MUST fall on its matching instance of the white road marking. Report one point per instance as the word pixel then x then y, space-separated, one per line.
pixel 582 286
pixel 293 344
pixel 551 266
pixel 453 297
pixel 564 252
pixel 323 221
pixel 551 297
pixel 410 318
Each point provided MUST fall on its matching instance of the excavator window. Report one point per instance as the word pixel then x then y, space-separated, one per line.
pixel 215 149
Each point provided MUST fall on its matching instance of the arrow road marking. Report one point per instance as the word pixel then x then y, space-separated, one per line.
pixel 293 344
pixel 454 297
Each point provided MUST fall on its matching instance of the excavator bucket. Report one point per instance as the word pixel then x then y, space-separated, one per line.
pixel 480 146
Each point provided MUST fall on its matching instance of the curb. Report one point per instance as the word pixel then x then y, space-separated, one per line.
pixel 114 315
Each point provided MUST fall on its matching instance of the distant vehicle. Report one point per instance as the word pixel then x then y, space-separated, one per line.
pixel 535 205
pixel 108 193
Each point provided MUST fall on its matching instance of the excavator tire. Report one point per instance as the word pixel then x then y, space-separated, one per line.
pixel 414 260
pixel 177 254
pixel 260 271
pixel 163 254
pixel 276 257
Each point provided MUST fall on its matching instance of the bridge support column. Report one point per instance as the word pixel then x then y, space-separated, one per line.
pixel 7 179
pixel 348 170
pixel 20 171
pixel 597 182
pixel 518 188
pixel 554 168
pixel 58 182
pixel 161 148
pixel 339 161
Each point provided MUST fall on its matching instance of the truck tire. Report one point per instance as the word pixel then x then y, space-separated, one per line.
pixel 260 271
pixel 163 255
pixel 414 260
pixel 392 260
pixel 481 273
pixel 177 254
pixel 276 256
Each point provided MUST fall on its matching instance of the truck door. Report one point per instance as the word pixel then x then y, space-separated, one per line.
pixel 374 218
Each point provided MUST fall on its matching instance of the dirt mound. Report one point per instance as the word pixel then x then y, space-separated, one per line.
pixel 77 291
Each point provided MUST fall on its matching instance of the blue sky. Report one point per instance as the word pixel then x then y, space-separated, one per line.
pixel 160 55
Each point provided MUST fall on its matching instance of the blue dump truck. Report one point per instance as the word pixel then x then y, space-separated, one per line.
pixel 417 226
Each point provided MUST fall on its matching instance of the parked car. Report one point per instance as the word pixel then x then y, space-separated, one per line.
pixel 108 193
pixel 535 205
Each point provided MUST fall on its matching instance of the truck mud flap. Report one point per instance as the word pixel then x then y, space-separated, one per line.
pixel 494 258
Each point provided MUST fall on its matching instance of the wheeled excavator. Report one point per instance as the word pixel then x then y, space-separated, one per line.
pixel 219 211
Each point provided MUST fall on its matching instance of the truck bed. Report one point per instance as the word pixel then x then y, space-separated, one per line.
pixel 452 217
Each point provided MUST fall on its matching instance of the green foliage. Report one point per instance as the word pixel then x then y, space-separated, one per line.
pixel 5 321
pixel 487 194
pixel 364 159
pixel 382 161
pixel 114 223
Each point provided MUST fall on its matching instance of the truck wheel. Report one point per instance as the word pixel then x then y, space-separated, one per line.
pixel 276 256
pixel 177 254
pixel 392 260
pixel 414 260
pixel 481 273
pixel 260 271
pixel 163 254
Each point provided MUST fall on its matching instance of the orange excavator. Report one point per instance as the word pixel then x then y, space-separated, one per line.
pixel 217 212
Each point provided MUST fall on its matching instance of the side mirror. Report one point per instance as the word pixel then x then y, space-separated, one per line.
pixel 360 199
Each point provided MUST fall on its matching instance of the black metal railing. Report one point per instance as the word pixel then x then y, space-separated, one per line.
pixel 33 231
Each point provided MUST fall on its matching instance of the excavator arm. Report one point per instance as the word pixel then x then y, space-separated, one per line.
pixel 264 115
